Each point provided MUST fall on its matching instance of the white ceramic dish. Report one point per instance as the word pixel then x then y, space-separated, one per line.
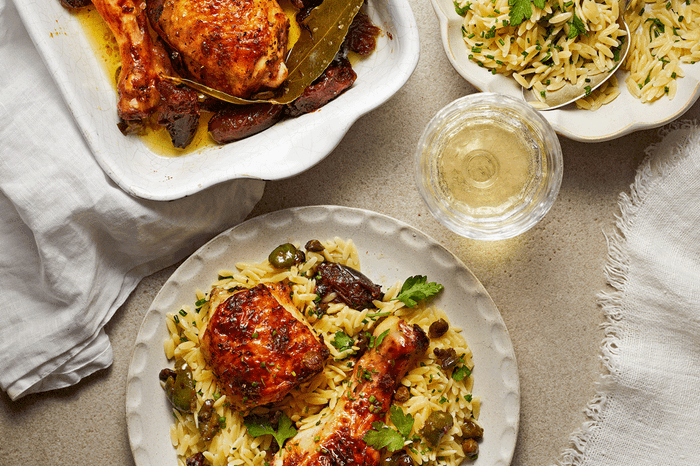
pixel 624 115
pixel 284 150
pixel 390 252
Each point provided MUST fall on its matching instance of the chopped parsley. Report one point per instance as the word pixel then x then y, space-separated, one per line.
pixel 462 10
pixel 576 27
pixel 341 341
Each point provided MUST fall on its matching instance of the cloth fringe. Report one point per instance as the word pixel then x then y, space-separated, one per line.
pixel 659 161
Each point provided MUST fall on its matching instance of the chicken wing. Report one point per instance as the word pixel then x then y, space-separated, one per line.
pixel 338 440
pixel 235 46
pixel 259 345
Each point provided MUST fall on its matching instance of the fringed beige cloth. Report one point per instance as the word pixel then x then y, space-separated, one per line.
pixel 647 408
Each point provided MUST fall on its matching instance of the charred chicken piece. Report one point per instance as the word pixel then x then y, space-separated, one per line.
pixel 338 440
pixel 179 109
pixel 259 346
pixel 140 86
pixel 342 284
pixel 235 46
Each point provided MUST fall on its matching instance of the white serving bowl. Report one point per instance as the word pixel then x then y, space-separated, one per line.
pixel 285 150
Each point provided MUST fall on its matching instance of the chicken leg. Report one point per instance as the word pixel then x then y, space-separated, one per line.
pixel 338 440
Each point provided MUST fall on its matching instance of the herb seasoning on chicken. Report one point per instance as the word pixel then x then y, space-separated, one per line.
pixel 339 439
pixel 259 346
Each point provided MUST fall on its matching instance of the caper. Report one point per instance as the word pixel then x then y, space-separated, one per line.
pixel 314 245
pixel 470 429
pixel 180 388
pixel 438 328
pixel 470 448
pixel 285 256
pixel 400 458
pixel 402 394
pixel 436 426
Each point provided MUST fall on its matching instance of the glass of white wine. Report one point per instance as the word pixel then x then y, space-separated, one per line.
pixel 489 166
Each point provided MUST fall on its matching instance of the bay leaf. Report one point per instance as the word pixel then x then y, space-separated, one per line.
pixel 322 34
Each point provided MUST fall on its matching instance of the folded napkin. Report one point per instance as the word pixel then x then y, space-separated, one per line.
pixel 72 244
pixel 646 409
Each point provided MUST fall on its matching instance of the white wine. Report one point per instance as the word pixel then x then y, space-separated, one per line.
pixel 487 167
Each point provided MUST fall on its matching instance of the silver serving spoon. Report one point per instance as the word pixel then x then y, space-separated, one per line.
pixel 571 92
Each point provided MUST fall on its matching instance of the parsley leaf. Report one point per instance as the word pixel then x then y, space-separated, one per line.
pixel 416 289
pixel 403 422
pixel 341 341
pixel 381 435
pixel 260 425
pixel 522 9
pixel 519 10
pixel 576 27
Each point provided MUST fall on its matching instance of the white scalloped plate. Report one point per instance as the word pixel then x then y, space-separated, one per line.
pixel 624 115
pixel 285 150
pixel 390 252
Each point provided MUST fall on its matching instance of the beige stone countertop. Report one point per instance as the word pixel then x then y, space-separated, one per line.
pixel 544 282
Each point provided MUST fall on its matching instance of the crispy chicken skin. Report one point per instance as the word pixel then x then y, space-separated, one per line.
pixel 259 346
pixel 138 96
pixel 338 440
pixel 235 46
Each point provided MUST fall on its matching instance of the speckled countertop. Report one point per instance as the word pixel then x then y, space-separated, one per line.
pixel 544 282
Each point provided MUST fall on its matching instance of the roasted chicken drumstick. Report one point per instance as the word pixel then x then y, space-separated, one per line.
pixel 376 375
pixel 138 96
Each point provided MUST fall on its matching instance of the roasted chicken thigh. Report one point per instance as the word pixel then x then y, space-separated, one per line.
pixel 235 46
pixel 259 345
pixel 376 375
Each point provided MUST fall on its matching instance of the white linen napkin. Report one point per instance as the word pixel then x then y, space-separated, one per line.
pixel 646 409
pixel 72 244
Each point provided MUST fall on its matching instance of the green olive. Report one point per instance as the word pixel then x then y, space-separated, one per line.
pixel 180 388
pixel 285 256
pixel 208 418
pixel 436 426
pixel 470 429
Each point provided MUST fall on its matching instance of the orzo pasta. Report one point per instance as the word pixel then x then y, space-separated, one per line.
pixel 431 388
